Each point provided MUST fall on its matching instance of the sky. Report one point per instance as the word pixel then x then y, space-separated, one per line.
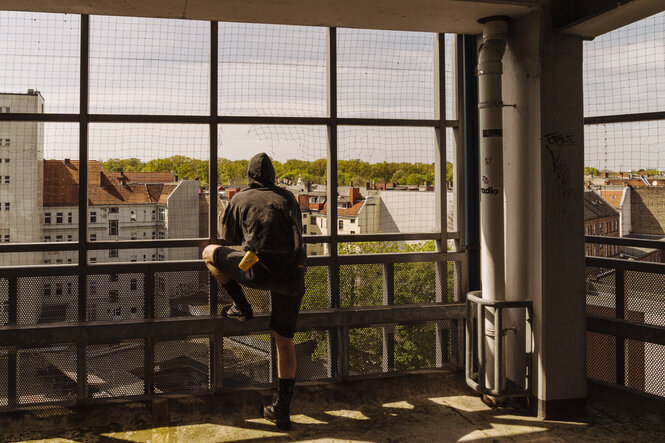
pixel 155 66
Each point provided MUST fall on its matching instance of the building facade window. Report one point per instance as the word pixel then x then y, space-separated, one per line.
pixel 113 253
pixel 47 289
pixel 132 216
pixel 47 238
pixel 113 296
pixel 341 225
pixel 132 236
pixel 161 234
pixel 93 259
pixel 7 179
pixel 58 238
pixel 93 237
pixel 47 218
pixel 69 237
pixel 113 227
pixel 162 214
pixel 133 284
pixel 8 206
pixel 58 217
pixel 113 210
pixel 6 238
pixel 69 218
pixel 93 217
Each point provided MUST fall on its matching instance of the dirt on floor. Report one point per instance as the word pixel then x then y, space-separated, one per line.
pixel 426 407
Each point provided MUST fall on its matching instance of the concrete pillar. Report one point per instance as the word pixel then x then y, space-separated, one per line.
pixel 544 147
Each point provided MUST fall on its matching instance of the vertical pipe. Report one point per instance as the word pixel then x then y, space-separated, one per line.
pixel 490 110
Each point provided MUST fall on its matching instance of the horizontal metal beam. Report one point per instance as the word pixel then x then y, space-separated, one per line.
pixel 224 119
pixel 142 244
pixel 624 118
pixel 404 257
pixel 101 268
pixel 626 265
pixel 182 327
pixel 625 241
pixel 626 329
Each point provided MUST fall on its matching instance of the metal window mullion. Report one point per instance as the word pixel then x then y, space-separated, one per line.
pixel 335 348
pixel 217 340
pixel 388 331
pixel 440 180
pixel 620 311
pixel 81 354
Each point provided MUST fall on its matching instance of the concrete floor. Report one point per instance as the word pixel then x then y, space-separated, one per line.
pixel 429 407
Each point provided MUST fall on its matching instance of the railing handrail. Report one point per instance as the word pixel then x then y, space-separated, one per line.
pixel 625 241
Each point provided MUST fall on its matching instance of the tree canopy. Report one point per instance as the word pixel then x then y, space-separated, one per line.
pixel 233 172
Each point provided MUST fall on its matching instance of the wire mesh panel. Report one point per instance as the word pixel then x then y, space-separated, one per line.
pixel 316 288
pixel 385 74
pixel 4 301
pixel 115 297
pixel 149 66
pixel 360 285
pixel 654 370
pixel 415 283
pixel 601 357
pixel 312 355
pixel 625 147
pixel 270 70
pixel 182 293
pixel 182 365
pixel 144 183
pixel 47 299
pixel 41 52
pixel 600 290
pixel 46 374
pixel 624 69
pixel 4 365
pixel 366 350
pixel 247 360
pixel 645 297
pixel 415 346
pixel 106 378
pixel 386 180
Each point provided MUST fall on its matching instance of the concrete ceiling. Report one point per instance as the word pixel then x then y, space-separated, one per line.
pixel 454 16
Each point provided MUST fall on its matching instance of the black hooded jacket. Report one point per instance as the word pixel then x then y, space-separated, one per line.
pixel 266 220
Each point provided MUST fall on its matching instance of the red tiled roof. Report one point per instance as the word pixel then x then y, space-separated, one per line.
pixel 145 177
pixel 61 186
pixel 303 202
pixel 347 212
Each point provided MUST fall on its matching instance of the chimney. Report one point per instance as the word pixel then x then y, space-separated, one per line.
pixel 68 162
pixel 354 195
pixel 101 180
pixel 366 185
pixel 309 186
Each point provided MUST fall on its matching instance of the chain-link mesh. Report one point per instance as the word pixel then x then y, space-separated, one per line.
pixel 316 288
pixel 181 293
pixel 312 355
pixel 182 365
pixel 360 285
pixel 415 283
pixel 601 357
pixel 46 374
pixel 366 350
pixel 106 378
pixel 247 360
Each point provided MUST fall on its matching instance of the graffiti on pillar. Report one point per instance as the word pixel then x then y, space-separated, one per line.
pixel 562 177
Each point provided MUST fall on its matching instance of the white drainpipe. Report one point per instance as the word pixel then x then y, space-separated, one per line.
pixel 490 109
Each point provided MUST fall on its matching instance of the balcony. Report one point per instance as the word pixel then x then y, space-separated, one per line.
pixel 121 350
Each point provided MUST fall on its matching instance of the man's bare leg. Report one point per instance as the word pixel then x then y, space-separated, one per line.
pixel 286 356
pixel 208 258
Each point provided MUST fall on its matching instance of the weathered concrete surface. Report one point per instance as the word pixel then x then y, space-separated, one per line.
pixel 431 407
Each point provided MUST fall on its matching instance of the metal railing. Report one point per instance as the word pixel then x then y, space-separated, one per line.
pixel 623 311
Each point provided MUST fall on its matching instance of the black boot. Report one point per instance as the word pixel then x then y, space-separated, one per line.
pixel 278 411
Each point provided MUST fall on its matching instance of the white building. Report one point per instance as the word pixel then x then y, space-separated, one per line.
pixel 132 206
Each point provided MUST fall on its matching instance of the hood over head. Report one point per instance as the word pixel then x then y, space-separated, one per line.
pixel 260 171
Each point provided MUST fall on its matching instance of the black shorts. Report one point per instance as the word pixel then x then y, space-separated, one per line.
pixel 285 296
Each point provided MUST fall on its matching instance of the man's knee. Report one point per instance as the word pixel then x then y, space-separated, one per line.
pixel 282 341
pixel 208 254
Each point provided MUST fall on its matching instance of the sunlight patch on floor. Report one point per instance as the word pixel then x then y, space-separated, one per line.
pixel 51 440
pixel 465 403
pixel 205 432
pixel 499 430
pixel 536 419
pixel 345 413
pixel 398 405
pixel 333 440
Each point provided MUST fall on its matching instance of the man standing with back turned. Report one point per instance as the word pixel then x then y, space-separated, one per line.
pixel 266 220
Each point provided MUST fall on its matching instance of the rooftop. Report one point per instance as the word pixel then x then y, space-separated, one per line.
pixel 409 408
